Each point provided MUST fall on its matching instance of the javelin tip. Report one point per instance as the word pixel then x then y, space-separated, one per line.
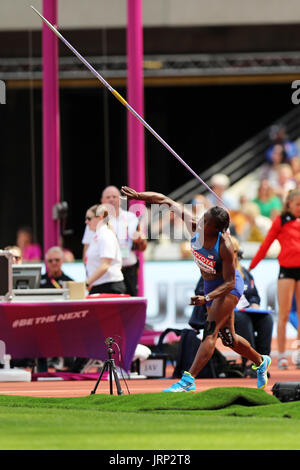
pixel 55 31
pixel 40 14
pixel 31 6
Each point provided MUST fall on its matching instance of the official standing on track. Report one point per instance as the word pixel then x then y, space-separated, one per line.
pixel 103 256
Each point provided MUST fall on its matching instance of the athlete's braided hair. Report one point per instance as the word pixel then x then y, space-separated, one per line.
pixel 221 218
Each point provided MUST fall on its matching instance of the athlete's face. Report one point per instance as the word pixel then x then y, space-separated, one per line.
pixel 209 225
pixel 294 206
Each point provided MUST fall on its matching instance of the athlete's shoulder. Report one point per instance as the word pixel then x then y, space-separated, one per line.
pixel 226 246
pixel 226 239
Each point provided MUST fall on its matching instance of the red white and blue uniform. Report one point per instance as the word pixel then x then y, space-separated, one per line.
pixel 210 261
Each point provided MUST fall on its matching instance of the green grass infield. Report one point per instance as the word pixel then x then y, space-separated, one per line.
pixel 226 418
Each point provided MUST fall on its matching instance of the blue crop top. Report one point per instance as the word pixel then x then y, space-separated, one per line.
pixel 207 260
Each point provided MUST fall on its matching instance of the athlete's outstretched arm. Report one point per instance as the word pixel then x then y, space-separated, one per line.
pixel 158 198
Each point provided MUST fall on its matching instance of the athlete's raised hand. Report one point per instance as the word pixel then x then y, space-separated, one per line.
pixel 129 192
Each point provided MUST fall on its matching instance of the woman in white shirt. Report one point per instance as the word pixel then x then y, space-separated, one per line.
pixel 103 256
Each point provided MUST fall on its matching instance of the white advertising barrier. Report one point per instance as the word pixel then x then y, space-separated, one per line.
pixel 169 285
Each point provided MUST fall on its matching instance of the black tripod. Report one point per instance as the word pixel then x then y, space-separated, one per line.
pixel 109 365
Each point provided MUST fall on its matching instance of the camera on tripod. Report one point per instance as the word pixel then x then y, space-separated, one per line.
pixel 109 342
pixel 109 366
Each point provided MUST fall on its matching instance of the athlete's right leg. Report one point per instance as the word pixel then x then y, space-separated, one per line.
pixel 217 315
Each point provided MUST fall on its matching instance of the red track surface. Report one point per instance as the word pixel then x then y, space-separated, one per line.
pixel 59 388
pixel 84 388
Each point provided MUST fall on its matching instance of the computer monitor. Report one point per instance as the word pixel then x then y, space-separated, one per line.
pixel 26 276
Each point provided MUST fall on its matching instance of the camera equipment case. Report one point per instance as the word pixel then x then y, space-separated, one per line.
pixel 286 391
pixel 5 275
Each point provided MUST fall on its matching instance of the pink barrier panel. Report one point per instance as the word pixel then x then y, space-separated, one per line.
pixel 151 337
pixel 73 328
pixel 68 376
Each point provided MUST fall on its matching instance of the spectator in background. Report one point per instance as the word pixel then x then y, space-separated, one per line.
pixel 295 165
pixel 257 328
pixel 54 276
pixel 297 180
pixel 270 168
pixel 200 202
pixel 256 226
pixel 278 135
pixel 285 182
pixel 220 184
pixel 269 204
pixel 16 252
pixel 237 218
pixel 31 251
pixel 166 226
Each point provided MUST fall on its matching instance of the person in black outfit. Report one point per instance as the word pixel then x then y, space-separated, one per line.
pixel 54 276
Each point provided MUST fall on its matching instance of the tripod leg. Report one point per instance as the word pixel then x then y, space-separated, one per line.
pixel 114 370
pixel 110 378
pixel 104 368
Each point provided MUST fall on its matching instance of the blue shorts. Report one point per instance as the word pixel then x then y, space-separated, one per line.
pixel 238 289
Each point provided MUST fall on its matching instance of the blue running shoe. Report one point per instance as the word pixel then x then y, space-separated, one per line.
pixel 185 384
pixel 262 372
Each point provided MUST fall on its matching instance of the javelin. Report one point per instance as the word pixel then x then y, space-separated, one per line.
pixel 124 102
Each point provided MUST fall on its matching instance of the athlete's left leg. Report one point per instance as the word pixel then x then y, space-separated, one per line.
pixel 237 343
pixel 242 346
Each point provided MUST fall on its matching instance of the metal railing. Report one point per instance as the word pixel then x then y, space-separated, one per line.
pixel 167 65
pixel 242 161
